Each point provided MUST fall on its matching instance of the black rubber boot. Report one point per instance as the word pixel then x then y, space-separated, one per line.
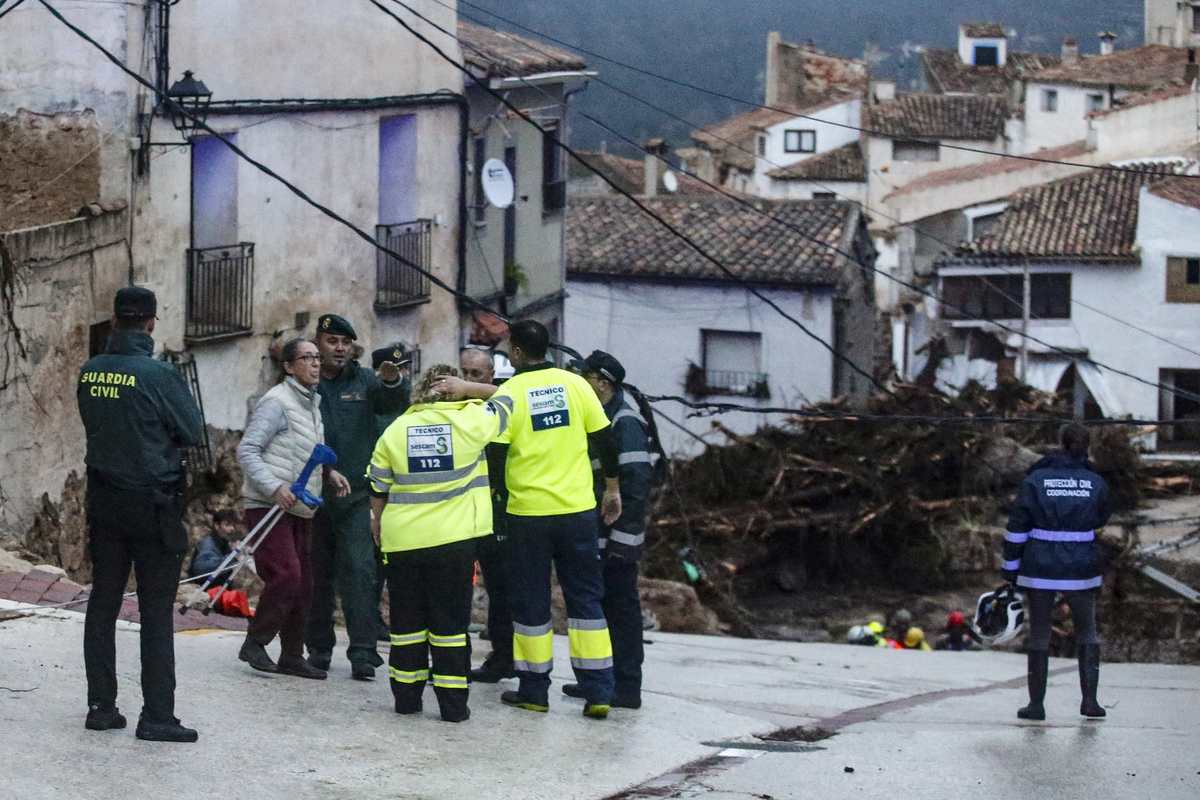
pixel 573 690
pixel 320 659
pixel 1039 665
pixel 1089 680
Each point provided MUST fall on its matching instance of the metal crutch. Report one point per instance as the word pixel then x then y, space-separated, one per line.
pixel 321 455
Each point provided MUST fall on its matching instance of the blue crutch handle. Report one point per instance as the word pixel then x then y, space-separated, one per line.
pixel 321 455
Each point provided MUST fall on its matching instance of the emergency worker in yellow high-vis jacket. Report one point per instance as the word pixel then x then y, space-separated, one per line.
pixel 430 500
pixel 552 517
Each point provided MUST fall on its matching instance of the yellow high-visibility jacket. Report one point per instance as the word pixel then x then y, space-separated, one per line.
pixel 430 465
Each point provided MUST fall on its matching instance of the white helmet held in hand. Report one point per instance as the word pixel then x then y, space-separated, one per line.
pixel 999 615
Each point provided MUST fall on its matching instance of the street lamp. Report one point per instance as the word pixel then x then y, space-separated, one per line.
pixel 189 96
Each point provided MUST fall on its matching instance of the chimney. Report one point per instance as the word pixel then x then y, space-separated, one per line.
pixel 655 150
pixel 772 79
pixel 1070 50
pixel 1192 70
pixel 883 90
pixel 1106 42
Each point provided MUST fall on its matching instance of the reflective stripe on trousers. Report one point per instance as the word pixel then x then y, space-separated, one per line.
pixel 533 647
pixel 401 676
pixel 402 639
pixel 591 647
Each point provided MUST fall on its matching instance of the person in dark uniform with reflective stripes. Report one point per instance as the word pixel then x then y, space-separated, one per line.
pixel 1051 547
pixel 623 542
pixel 139 416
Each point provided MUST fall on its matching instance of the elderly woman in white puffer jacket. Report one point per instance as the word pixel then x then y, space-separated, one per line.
pixel 284 427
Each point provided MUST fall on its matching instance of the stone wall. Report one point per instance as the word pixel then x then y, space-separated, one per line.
pixel 66 275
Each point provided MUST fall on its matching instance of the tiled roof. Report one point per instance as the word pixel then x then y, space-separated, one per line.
pixel 987 169
pixel 949 75
pixel 1182 190
pixel 505 55
pixel 845 163
pixel 1092 215
pixel 935 116
pixel 1147 67
pixel 612 237
pixel 630 174
pixel 984 30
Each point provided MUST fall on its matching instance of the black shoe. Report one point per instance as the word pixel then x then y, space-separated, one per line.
pixel 362 671
pixel 1089 680
pixel 298 667
pixel 626 701
pixel 165 732
pixel 515 700
pixel 104 719
pixel 492 671
pixel 384 634
pixel 573 690
pixel 256 656
pixel 1037 670
pixel 320 660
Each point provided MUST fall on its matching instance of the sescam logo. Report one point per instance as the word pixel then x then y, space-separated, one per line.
pixel 548 407
pixel 430 448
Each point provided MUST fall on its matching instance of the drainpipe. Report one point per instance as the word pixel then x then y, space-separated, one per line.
pixel 464 133
pixel 562 234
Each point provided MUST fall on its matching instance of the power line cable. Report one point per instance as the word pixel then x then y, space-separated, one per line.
pixel 1025 335
pixel 534 48
pixel 837 415
pixel 802 233
pixel 871 210
pixel 791 112
pixel 648 211
pixel 202 125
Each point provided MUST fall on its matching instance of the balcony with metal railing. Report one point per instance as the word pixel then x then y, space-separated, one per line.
pixel 220 292
pixel 397 283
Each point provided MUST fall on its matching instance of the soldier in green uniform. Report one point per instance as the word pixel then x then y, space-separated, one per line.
pixel 344 559
pixel 138 415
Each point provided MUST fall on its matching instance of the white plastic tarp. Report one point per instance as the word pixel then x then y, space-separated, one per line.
pixel 1045 375
pixel 1102 393
pixel 954 373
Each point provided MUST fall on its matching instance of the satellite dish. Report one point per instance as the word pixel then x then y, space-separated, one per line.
pixel 497 183
pixel 670 182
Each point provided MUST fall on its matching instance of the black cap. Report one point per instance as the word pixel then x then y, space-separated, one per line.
pixel 606 366
pixel 135 301
pixel 578 366
pixel 333 324
pixel 393 353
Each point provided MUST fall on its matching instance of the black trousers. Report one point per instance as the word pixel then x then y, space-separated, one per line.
pixel 492 552
pixel 131 530
pixel 430 593
pixel 1041 609
pixel 623 610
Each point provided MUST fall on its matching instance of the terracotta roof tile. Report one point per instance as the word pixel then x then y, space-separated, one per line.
pixel 948 74
pixel 845 163
pixel 630 174
pixel 506 55
pixel 935 116
pixel 1147 67
pixel 1092 215
pixel 612 237
pixel 1182 190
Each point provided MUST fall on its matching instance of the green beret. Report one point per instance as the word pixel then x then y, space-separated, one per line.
pixel 333 324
